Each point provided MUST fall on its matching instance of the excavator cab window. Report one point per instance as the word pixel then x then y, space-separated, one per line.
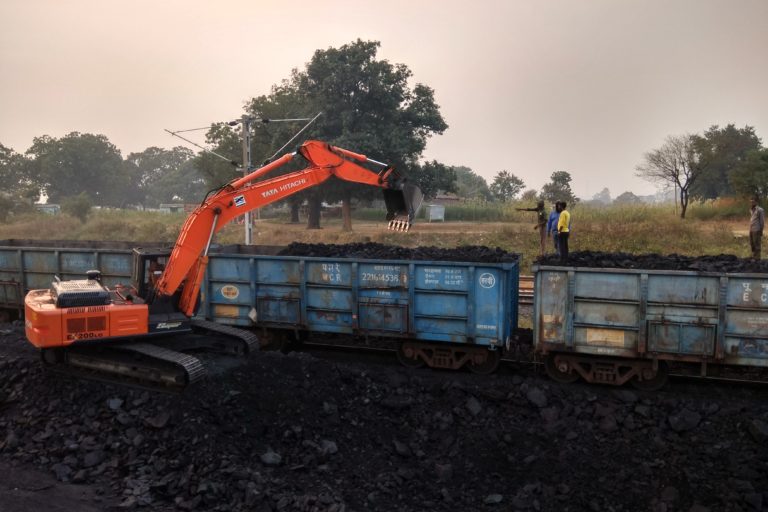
pixel 148 266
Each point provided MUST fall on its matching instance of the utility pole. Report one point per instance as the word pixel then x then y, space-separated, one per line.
pixel 246 124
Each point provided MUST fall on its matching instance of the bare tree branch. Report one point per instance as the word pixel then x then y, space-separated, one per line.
pixel 677 162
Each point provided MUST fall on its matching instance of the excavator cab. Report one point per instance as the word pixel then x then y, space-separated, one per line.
pixel 403 203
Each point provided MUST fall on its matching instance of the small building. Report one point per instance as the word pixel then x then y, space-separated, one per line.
pixel 447 198
pixel 172 208
pixel 50 209
pixel 435 212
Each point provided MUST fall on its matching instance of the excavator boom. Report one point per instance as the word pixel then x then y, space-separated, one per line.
pixel 243 194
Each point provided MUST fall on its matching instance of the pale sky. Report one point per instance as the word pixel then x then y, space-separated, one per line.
pixel 531 87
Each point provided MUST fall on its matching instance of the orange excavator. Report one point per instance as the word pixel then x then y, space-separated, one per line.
pixel 72 318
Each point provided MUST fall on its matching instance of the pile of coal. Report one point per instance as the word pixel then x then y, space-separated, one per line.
pixel 296 433
pixel 720 263
pixel 377 251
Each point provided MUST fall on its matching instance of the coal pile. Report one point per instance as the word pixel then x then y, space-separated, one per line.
pixel 297 433
pixel 619 260
pixel 377 251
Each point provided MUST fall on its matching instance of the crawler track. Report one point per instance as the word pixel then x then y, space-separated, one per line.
pixel 141 365
pixel 164 365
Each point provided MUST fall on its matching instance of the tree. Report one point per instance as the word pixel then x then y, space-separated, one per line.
pixel 368 107
pixel 627 198
pixel 530 195
pixel 678 162
pixel 162 175
pixel 506 186
pixel 750 177
pixel 216 171
pixel 16 175
pixel 602 197
pixel 724 149
pixel 559 188
pixel 6 206
pixel 433 177
pixel 78 206
pixel 79 162
pixel 470 185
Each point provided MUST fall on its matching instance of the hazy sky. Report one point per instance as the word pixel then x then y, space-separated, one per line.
pixel 531 87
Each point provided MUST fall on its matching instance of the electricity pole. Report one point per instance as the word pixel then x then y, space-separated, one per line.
pixel 246 124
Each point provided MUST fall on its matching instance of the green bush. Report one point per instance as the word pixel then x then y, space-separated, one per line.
pixel 152 231
pixel 719 209
pixel 109 229
pixel 78 206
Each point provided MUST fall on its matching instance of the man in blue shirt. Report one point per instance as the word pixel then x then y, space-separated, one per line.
pixel 554 216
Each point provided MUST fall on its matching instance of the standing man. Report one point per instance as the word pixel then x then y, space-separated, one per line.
pixel 563 231
pixel 541 223
pixel 552 225
pixel 756 225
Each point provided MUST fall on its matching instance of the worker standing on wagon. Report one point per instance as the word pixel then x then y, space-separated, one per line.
pixel 563 231
pixel 756 225
pixel 554 216
pixel 541 223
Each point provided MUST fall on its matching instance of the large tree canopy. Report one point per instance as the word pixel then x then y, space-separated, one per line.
pixel 470 185
pixel 750 177
pixel 80 162
pixel 16 176
pixel 433 177
pixel 506 186
pixel 165 175
pixel 367 105
pixel 723 149
pixel 558 188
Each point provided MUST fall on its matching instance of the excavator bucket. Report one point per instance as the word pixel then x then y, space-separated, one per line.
pixel 402 205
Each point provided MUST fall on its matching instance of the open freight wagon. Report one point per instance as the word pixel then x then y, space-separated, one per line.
pixel 444 314
pixel 615 325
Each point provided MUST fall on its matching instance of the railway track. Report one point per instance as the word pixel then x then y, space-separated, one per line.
pixel 512 362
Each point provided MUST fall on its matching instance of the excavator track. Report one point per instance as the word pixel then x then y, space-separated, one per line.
pixel 234 341
pixel 160 366
pixel 137 364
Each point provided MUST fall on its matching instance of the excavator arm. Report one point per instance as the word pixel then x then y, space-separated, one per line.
pixel 189 258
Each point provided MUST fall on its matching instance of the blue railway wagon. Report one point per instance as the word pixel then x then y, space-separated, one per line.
pixel 443 304
pixel 614 326
pixel 31 264
pixel 451 313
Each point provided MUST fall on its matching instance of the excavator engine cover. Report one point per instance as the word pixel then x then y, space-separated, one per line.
pixel 79 293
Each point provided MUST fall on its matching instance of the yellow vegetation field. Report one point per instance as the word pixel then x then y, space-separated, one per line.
pixel 635 229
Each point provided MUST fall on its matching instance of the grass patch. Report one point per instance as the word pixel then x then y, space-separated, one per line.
pixel 634 229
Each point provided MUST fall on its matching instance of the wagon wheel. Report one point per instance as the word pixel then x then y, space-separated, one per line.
pixel 652 381
pixel 563 376
pixel 488 366
pixel 408 356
